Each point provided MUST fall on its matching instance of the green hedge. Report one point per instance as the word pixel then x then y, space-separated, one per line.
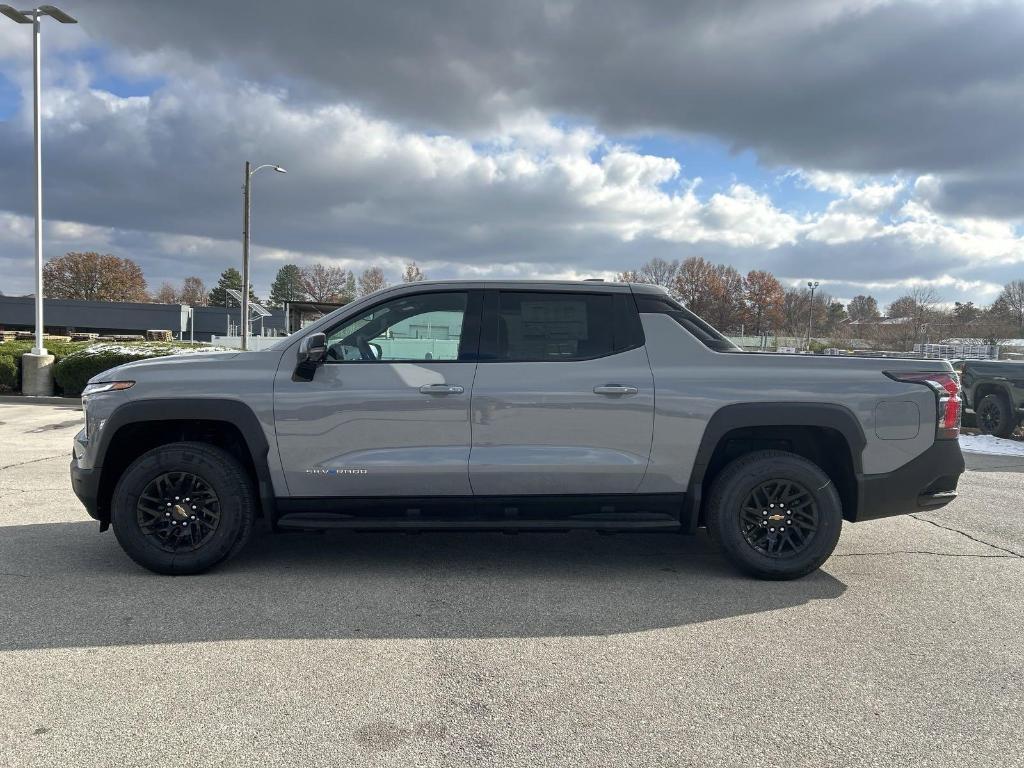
pixel 10 359
pixel 8 373
pixel 73 372
pixel 75 362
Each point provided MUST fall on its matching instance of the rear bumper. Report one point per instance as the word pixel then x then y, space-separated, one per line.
pixel 926 482
pixel 86 485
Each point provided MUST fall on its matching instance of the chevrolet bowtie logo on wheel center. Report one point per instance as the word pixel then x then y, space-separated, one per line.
pixel 776 517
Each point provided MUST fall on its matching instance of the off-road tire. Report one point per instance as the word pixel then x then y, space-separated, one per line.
pixel 733 487
pixel 995 416
pixel 220 471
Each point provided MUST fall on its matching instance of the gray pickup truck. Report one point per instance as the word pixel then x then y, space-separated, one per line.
pixel 514 406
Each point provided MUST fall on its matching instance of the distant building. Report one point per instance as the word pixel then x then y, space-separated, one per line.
pixel 64 316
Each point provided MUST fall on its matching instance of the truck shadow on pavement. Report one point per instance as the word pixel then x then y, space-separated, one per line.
pixel 63 585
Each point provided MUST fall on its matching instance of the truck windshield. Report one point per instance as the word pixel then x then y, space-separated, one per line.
pixel 698 328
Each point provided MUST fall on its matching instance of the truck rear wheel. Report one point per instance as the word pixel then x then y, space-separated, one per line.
pixel 774 514
pixel 182 508
pixel 995 416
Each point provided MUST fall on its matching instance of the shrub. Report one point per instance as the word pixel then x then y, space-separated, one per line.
pixel 8 373
pixel 10 359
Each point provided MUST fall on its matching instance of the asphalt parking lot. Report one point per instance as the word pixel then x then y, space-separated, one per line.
pixel 469 649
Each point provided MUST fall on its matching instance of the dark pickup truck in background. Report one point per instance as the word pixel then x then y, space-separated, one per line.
pixel 994 390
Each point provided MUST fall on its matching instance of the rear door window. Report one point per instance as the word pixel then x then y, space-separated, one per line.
pixel 549 326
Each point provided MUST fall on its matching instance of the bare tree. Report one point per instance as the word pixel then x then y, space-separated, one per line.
pixel 691 285
pixel 655 272
pixel 728 308
pixel 915 310
pixel 167 294
pixel 863 309
pixel 324 284
pixel 371 280
pixel 193 292
pixel 659 272
pixel 1012 300
pixel 764 297
pixel 413 274
pixel 94 277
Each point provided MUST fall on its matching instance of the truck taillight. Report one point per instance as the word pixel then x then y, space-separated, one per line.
pixel 948 402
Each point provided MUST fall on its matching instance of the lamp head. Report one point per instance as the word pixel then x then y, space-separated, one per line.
pixel 56 13
pixel 15 15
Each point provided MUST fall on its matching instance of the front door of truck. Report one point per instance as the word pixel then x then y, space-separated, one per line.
pixel 387 414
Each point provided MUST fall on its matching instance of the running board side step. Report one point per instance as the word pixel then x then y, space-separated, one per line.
pixel 319 521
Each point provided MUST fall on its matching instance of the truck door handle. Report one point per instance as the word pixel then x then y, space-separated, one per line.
pixel 441 389
pixel 614 389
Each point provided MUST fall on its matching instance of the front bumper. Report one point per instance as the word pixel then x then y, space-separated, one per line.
pixel 86 485
pixel 926 482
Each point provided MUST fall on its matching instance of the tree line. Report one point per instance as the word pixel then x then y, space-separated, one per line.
pixel 90 276
pixel 758 303
pixel 755 303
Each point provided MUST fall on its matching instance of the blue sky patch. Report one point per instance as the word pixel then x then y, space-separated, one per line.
pixel 10 98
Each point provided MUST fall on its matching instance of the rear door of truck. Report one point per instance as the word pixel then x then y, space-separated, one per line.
pixel 563 402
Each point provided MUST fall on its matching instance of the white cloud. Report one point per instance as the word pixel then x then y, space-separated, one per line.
pixel 156 178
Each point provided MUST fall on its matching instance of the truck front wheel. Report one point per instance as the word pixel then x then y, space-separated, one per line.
pixel 774 514
pixel 182 508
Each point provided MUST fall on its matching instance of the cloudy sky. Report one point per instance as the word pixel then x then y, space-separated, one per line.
pixel 870 145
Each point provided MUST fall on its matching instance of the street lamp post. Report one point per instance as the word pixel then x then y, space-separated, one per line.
pixel 810 312
pixel 247 197
pixel 33 17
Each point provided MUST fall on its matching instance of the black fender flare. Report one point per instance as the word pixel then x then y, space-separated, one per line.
pixel 233 412
pixel 768 414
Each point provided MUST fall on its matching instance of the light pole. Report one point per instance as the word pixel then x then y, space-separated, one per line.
pixel 33 17
pixel 810 312
pixel 247 196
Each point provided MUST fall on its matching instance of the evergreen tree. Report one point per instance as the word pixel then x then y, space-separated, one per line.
pixel 348 293
pixel 287 286
pixel 229 278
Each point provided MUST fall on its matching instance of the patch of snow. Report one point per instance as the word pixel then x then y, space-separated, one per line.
pixel 149 351
pixel 997 446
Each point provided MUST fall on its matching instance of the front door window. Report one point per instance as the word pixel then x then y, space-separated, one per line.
pixel 408 329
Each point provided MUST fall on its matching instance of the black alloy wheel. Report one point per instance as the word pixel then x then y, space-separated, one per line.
pixel 994 416
pixel 183 507
pixel 775 515
pixel 179 510
pixel 779 518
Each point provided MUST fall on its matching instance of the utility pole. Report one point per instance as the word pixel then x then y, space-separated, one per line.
pixel 810 313
pixel 246 190
pixel 246 199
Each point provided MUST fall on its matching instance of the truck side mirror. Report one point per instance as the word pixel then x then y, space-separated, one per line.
pixel 312 351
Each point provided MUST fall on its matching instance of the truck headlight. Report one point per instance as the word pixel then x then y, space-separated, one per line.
pixel 106 386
